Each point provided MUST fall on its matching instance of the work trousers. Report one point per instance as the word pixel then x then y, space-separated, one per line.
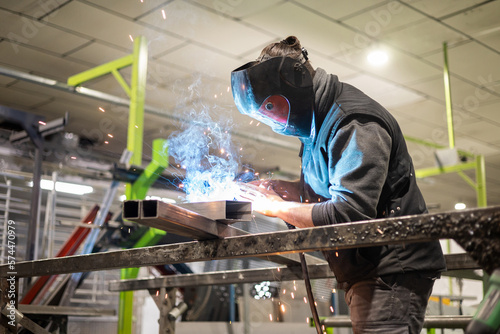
pixel 392 304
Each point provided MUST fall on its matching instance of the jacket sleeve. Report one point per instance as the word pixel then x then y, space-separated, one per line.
pixel 358 160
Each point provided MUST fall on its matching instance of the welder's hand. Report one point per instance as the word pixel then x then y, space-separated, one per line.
pixel 264 200
pixel 287 190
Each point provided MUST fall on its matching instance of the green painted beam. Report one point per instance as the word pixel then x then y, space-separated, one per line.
pixel 101 70
pixel 137 100
pixel 433 171
pixel 481 182
pixel 438 146
pixel 447 96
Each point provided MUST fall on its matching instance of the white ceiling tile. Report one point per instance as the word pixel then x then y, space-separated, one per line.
pixel 492 39
pixel 239 8
pixel 423 37
pixel 400 67
pixel 97 54
pixel 482 131
pixel 39 34
pixel 442 7
pixel 131 9
pixel 202 60
pixel 490 110
pixel 21 6
pixel 426 112
pixel 465 96
pixel 38 62
pixel 477 21
pixel 338 9
pixel 331 66
pixel 200 25
pixel 472 61
pixel 101 25
pixel 384 18
pixel 314 32
pixel 385 93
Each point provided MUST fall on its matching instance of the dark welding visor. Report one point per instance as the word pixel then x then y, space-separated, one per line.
pixel 277 92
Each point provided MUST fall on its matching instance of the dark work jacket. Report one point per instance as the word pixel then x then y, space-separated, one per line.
pixel 399 194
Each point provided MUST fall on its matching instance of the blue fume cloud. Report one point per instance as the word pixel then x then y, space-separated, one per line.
pixel 203 147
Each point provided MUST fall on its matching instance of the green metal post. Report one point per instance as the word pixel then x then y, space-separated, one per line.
pixel 481 181
pixel 447 95
pixel 137 99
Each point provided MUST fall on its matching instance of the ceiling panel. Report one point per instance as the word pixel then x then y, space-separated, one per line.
pixel 314 32
pixel 477 21
pixel 385 93
pixel 429 111
pixel 385 18
pixel 465 96
pixel 339 9
pixel 89 20
pixel 97 54
pixel 330 65
pixel 199 59
pixel 482 131
pixel 132 9
pixel 472 61
pixel 442 7
pixel 238 8
pixel 38 62
pixel 206 28
pixel 423 37
pixel 27 31
pixel 401 68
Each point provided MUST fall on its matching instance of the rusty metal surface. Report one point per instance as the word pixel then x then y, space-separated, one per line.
pixel 477 230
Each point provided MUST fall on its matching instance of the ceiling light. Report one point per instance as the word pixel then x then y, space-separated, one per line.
pixel 377 57
pixel 64 187
pixel 460 206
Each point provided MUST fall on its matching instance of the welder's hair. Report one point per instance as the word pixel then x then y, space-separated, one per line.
pixel 289 47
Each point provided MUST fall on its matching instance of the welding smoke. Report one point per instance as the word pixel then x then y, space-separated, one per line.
pixel 203 147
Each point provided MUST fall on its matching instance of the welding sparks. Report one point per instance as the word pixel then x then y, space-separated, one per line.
pixel 270 317
pixel 73 158
pixel 293 296
pixel 131 38
pixel 284 291
pixel 283 308
pixel 305 300
pixel 157 293
pixel 102 109
pixel 163 14
pixel 110 135
pixel 106 142
pixel 42 123
pixel 331 309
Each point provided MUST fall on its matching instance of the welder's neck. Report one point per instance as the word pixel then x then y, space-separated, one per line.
pixel 324 94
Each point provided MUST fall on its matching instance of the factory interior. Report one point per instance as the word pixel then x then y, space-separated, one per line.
pixel 121 145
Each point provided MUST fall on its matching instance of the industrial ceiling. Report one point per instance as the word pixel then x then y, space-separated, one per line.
pixel 194 44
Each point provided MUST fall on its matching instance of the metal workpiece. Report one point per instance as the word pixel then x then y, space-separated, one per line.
pixel 477 230
pixel 227 212
pixel 191 223
pixel 290 273
pixel 175 219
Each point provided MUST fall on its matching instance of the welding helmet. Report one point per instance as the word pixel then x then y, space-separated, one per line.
pixel 277 92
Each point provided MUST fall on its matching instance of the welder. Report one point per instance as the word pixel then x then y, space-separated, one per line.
pixel 355 166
